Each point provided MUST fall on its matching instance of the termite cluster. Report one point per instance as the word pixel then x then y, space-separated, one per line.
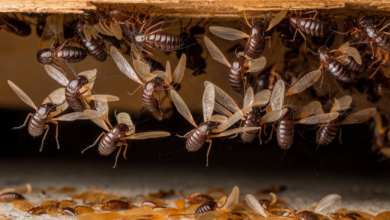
pixel 214 204
pixel 115 32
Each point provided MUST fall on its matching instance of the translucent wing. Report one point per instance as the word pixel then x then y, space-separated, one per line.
pixel 94 32
pixel 147 135
pixel 57 97
pixel 234 131
pixel 102 98
pixel 318 119
pixel 53 30
pixel 219 118
pixel 88 30
pixel 125 119
pixel 351 51
pixel 228 33
pixel 262 97
pixel 22 95
pixel 277 19
pixel 341 104
pixel 254 204
pixel 232 200
pixel 102 106
pixel 123 65
pixel 223 98
pixel 116 30
pixel 71 117
pixel 208 102
pixel 182 107
pixel 359 117
pixel 97 118
pixel 141 67
pixel 327 201
pixel 248 98
pixel 168 73
pixel 215 52
pixel 231 120
pixel 277 97
pixel 273 116
pixel 180 69
pixel 56 75
pixel 222 110
pixel 257 65
pixel 212 215
pixel 103 28
pixel 305 82
pixel 91 76
pixel 313 108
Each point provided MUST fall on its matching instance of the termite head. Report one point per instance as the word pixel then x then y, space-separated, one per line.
pixel 45 56
pixel 121 128
pixel 45 109
pixel 140 38
pixel 294 20
pixel 77 82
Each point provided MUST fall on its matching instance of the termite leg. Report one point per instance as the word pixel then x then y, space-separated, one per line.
pixel 272 131
pixel 44 137
pixel 25 122
pixel 208 151
pixel 94 142
pixel 116 158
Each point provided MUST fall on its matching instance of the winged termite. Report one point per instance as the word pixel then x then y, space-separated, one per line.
pixel 254 204
pixel 53 105
pixel 328 131
pixel 240 67
pixel 215 209
pixel 324 203
pixel 152 83
pixel 251 109
pixel 78 92
pixel 208 129
pixel 286 118
pixel 118 135
pixel 313 27
pixel 336 61
pixel 49 55
pixel 256 40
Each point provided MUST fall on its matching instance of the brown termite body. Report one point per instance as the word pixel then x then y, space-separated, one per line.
pixel 152 83
pixel 196 140
pixel 10 196
pixel 256 39
pixel 78 92
pixel 53 105
pixel 94 47
pixel 116 136
pixel 207 207
pixel 223 205
pixel 197 198
pixel 240 67
pixel 335 67
pixel 157 39
pixel 285 129
pixel 15 26
pixel 114 205
pixel 212 123
pixel 67 54
pixel 329 130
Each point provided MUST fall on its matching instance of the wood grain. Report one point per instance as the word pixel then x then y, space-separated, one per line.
pixel 209 8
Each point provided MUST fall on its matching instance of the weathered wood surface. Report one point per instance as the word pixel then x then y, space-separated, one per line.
pixel 217 8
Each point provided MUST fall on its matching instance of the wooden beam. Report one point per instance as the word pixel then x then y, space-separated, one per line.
pixel 197 8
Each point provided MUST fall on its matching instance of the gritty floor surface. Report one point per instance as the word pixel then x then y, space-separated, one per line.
pixel 368 193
